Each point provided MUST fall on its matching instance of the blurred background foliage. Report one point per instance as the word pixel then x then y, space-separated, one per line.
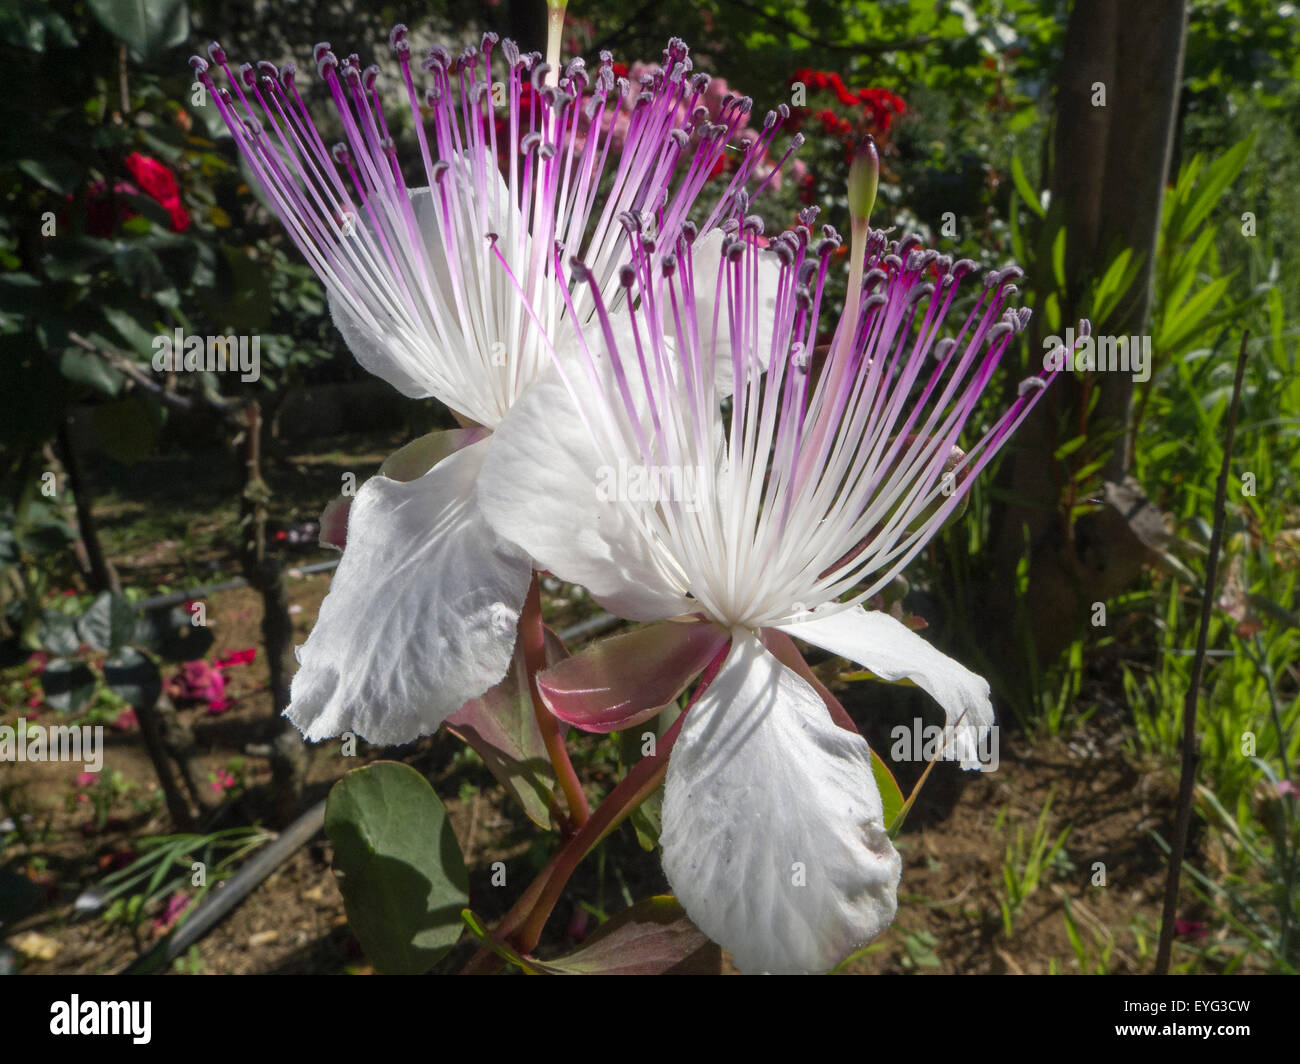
pixel 126 215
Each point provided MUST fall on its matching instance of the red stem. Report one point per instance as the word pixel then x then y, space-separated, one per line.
pixel 522 925
pixel 532 634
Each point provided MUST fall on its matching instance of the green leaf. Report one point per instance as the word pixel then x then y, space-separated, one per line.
pixel 1209 189
pixel 890 795
pixel 139 338
pixel 109 623
pixel 32 25
pixel 67 684
pixel 58 633
pixel 1181 324
pixel 420 455
pixel 1110 288
pixel 147 26
pixel 398 864
pixel 1058 258
pixel 647 820
pixel 503 951
pixel 133 677
pixel 61 176
pixel 1069 447
pixel 652 937
pixel 82 367
pixel 1052 312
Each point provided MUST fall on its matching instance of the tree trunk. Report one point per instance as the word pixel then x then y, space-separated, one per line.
pixel 100 574
pixel 1109 168
pixel 266 574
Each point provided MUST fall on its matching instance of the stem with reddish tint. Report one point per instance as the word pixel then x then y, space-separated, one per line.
pixel 532 633
pixel 522 925
pixel 635 787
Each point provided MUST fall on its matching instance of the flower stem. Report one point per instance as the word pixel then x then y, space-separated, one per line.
pixel 522 925
pixel 532 633
pixel 554 33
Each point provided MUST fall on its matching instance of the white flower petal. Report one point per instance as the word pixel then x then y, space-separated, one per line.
pixel 540 488
pixel 773 830
pixel 894 652
pixel 383 354
pixel 421 614
pixel 444 339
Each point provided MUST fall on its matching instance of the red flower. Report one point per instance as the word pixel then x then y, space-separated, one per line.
pixel 236 657
pixel 105 211
pixel 153 177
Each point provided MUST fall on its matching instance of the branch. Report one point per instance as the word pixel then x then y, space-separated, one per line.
pixel 1187 776
pixel 223 408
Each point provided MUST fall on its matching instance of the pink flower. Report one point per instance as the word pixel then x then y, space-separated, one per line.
pixel 1286 787
pixel 125 721
pixel 197 681
pixel 176 905
pixel 87 779
pixel 222 780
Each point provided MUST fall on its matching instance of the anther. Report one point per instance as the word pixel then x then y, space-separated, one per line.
pixel 999 332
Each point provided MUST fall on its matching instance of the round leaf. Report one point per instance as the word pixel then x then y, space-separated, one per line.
pixel 148 26
pixel 109 623
pixel 58 633
pixel 398 864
